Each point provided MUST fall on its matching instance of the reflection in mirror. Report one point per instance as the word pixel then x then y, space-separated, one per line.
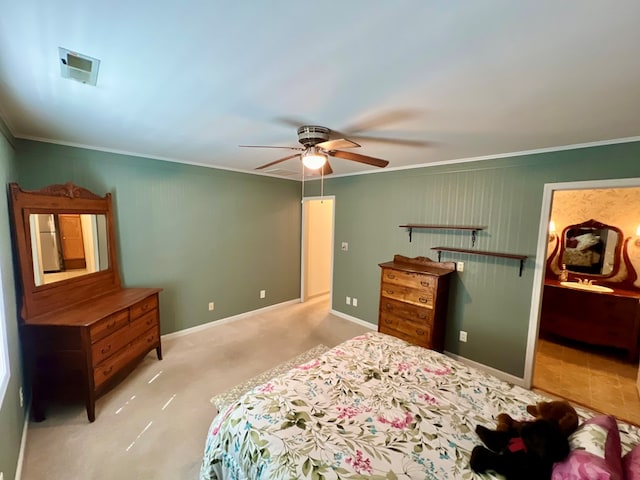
pixel 67 245
pixel 590 248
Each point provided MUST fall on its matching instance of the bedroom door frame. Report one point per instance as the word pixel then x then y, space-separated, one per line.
pixel 303 246
pixel 541 258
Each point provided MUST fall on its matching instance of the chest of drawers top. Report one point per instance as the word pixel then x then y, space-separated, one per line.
pixel 95 310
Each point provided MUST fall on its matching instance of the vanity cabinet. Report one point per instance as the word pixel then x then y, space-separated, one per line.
pixel 82 332
pixel 413 300
pixel 596 318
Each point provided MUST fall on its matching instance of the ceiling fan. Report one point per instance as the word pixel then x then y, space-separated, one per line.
pixel 317 148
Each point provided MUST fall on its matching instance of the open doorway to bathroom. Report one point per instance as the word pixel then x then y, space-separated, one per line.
pixel 587 338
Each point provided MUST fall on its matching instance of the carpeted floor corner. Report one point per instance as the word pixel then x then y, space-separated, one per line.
pixel 226 398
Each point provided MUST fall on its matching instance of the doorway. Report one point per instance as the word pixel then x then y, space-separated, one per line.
pixel 317 247
pixel 590 376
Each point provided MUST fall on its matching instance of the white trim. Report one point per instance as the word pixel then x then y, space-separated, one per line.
pixel 23 443
pixel 364 323
pixel 493 371
pixel 224 321
pixel 538 274
pixel 560 148
pixel 521 153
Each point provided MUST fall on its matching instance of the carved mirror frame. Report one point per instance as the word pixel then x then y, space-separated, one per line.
pixel 59 199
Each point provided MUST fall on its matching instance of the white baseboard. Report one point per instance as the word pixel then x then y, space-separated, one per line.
pixel 23 443
pixel 493 371
pixel 226 320
pixel 372 326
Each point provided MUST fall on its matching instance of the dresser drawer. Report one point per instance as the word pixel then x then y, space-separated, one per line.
pixel 421 339
pixel 414 296
pixel 122 337
pixel 108 325
pixel 138 347
pixel 419 315
pixel 403 325
pixel 408 279
pixel 144 306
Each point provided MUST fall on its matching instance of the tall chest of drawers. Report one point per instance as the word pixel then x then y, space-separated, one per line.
pixel 413 300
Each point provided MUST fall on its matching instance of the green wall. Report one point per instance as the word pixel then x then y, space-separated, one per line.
pixel 202 234
pixel 488 300
pixel 12 416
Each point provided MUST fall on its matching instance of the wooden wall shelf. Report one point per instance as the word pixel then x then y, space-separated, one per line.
pixel 514 256
pixel 474 229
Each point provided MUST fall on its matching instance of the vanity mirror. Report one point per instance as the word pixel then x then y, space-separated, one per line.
pixel 78 326
pixel 591 249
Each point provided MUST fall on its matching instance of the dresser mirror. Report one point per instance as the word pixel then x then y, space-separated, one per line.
pixel 65 239
pixel 67 245
pixel 591 249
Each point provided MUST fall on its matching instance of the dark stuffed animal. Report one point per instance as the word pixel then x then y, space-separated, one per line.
pixel 560 411
pixel 524 453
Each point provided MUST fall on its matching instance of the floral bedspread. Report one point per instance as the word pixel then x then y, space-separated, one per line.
pixel 374 407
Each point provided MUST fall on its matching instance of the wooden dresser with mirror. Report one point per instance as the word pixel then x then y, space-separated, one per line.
pixel 598 303
pixel 80 329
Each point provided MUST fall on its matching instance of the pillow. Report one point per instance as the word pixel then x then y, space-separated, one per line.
pixel 595 452
pixel 631 464
pixel 587 240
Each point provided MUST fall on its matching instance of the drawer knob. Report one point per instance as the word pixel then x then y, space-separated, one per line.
pixel 425 284
pixel 108 371
pixel 390 275
pixel 420 332
pixel 388 321
pixel 422 316
pixel 389 292
pixel 150 339
pixel 106 349
pixel 423 300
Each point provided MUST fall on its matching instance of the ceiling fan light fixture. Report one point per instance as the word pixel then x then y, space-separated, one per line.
pixel 313 159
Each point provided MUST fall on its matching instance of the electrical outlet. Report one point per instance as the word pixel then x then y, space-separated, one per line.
pixel 354 302
pixel 21 394
pixel 460 266
pixel 348 300
pixel 345 246
pixel 263 293
pixel 463 336
pixel 211 306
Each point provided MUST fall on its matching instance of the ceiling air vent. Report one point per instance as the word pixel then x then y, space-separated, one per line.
pixel 76 66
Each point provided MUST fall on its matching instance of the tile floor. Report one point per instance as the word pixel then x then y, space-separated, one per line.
pixel 597 379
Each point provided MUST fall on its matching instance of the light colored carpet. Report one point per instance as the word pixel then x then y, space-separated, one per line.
pixel 224 399
pixel 154 424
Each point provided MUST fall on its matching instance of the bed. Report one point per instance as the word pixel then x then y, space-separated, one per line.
pixel 372 407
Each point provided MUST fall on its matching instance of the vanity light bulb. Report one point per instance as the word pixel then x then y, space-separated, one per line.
pixel 552 227
pixel 638 231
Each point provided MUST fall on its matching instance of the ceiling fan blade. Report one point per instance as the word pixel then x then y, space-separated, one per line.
pixel 269 146
pixel 356 157
pixel 337 143
pixel 277 161
pixel 382 119
pixel 393 141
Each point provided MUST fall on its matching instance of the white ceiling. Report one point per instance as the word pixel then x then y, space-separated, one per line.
pixel 189 81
